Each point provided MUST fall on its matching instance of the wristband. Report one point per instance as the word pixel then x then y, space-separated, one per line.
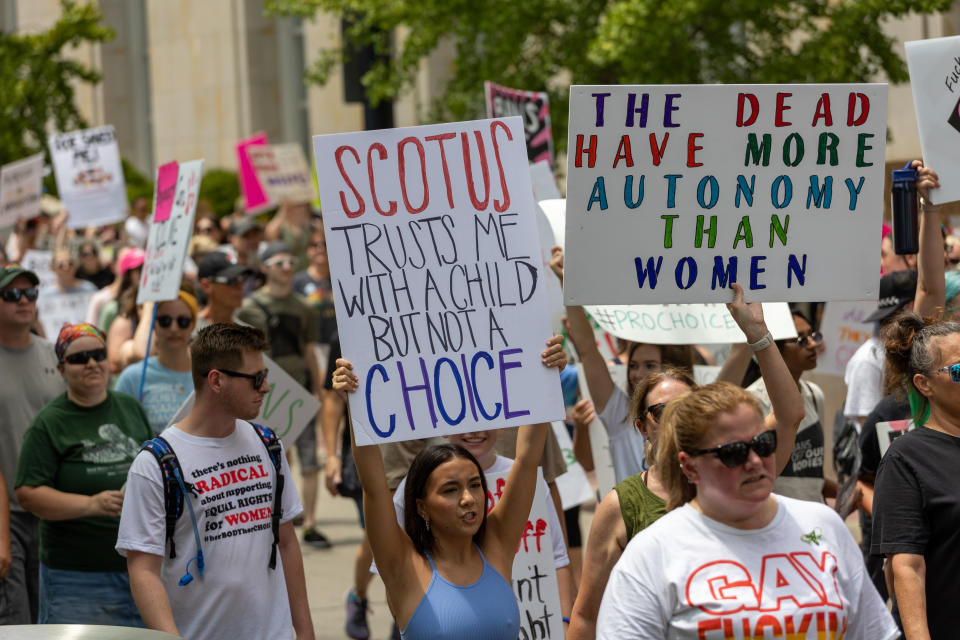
pixel 762 343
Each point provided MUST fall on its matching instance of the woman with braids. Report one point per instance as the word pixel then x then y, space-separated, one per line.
pixel 916 505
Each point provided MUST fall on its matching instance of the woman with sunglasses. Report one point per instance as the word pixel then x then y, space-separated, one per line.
pixel 730 558
pixel 168 379
pixel 70 474
pixel 640 500
pixel 916 506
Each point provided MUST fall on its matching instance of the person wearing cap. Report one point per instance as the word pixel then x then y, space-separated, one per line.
pixel 71 473
pixel 289 324
pixel 221 280
pixel 105 304
pixel 29 381
pixel 244 243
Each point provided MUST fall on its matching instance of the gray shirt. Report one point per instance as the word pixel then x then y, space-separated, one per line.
pixel 29 379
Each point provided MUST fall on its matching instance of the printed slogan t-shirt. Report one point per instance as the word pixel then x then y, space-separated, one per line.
pixel 239 596
pixel 687 576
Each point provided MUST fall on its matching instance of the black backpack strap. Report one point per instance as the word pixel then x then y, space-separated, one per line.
pixel 275 451
pixel 172 494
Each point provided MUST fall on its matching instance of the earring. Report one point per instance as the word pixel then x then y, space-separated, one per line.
pixel 427 522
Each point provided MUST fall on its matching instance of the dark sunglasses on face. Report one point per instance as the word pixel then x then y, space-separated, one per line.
pixel 230 282
pixel 283 263
pixel 734 454
pixel 83 357
pixel 816 337
pixel 206 229
pixel 258 378
pixel 182 321
pixel 13 294
pixel 656 410
pixel 953 369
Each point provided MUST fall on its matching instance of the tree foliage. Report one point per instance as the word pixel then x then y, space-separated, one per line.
pixel 550 44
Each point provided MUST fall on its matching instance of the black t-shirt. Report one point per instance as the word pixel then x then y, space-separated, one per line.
pixel 887 410
pixel 916 509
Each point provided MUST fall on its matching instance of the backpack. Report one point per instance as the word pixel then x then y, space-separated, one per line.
pixel 175 489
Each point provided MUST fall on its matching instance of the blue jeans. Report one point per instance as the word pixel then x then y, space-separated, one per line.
pixel 87 597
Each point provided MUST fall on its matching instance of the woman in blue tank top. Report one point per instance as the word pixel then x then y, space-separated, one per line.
pixel 447 573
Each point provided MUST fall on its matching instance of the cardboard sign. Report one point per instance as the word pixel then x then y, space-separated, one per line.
pixel 255 198
pixel 57 308
pixel 21 185
pixel 533 107
pixel 675 191
pixel 534 572
pixel 89 176
pixel 436 265
pixel 282 172
pixel 573 486
pixel 287 409
pixel 935 80
pixel 686 323
pixel 843 332
pixel 169 239
pixel 888 431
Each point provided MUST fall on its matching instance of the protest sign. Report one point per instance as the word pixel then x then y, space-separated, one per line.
pixel 54 309
pixel 843 332
pixel 573 486
pixel 89 176
pixel 705 374
pixel 534 572
pixel 555 211
pixel 675 191
pixel 597 431
pixel 282 171
pixel 935 80
pixel 21 184
pixel 287 408
pixel 544 184
pixel 686 323
pixel 887 432
pixel 254 197
pixel 434 257
pixel 168 240
pixel 533 107
pixel 39 262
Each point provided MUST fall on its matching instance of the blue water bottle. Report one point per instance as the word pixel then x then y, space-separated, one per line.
pixel 905 201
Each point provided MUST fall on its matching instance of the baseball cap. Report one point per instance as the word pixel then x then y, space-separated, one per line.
pixel 896 290
pixel 241 226
pixel 274 248
pixel 12 271
pixel 131 259
pixel 219 265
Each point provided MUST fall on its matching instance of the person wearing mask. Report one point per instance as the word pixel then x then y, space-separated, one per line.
pixel 221 280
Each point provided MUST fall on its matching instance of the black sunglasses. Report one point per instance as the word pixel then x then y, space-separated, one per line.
pixel 258 378
pixel 13 294
pixel 182 321
pixel 656 410
pixel 83 357
pixel 816 336
pixel 734 454
pixel 231 281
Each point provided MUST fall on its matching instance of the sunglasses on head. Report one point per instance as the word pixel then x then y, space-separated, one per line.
pixel 13 294
pixel 83 357
pixel 954 370
pixel 734 454
pixel 182 321
pixel 258 378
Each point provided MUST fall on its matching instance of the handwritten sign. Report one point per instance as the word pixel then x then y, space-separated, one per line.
pixel 935 80
pixel 168 240
pixel 287 409
pixel 887 432
pixel 282 172
pixel 21 184
pixel 573 485
pixel 89 176
pixel 533 107
pixel 255 198
pixel 432 237
pixel 56 308
pixel 843 332
pixel 675 191
pixel 686 323
pixel 39 262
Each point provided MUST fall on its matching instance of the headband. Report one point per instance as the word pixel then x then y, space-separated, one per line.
pixel 70 332
pixel 191 302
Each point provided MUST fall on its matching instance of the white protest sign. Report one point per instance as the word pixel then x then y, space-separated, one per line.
pixel 534 572
pixel 843 332
pixel 597 431
pixel 21 185
pixel 556 212
pixel 686 323
pixel 39 262
pixel 435 260
pixel 674 191
pixel 573 485
pixel 544 184
pixel 171 225
pixel 89 176
pixel 705 374
pixel 935 81
pixel 887 432
pixel 286 409
pixel 54 309
pixel 282 171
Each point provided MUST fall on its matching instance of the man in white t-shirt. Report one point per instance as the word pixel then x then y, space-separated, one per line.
pixel 229 589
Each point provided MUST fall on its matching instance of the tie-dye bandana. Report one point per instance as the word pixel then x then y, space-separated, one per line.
pixel 70 332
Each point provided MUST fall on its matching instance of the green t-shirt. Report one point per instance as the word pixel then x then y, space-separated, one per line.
pixel 293 327
pixel 639 506
pixel 82 450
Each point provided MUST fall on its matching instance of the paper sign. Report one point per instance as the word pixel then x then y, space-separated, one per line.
pixel 887 432
pixel 436 265
pixel 287 409
pixel 573 486
pixel 686 323
pixel 597 431
pixel 255 198
pixel 544 184
pixel 935 80
pixel 843 332
pixel 21 184
pixel 533 107
pixel 89 176
pixel 165 191
pixel 705 374
pixel 54 309
pixel 168 240
pixel 282 172
pixel 555 211
pixel 675 191
pixel 39 262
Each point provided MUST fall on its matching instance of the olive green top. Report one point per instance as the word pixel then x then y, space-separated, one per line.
pixel 639 506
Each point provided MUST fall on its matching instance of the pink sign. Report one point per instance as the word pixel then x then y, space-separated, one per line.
pixel 166 189
pixel 255 197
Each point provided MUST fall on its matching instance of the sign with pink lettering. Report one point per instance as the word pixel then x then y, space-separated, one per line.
pixel 675 191
pixel 533 107
pixel 254 196
pixel 436 264
pixel 843 332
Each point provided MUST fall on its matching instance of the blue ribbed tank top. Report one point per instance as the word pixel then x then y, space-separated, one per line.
pixel 484 610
